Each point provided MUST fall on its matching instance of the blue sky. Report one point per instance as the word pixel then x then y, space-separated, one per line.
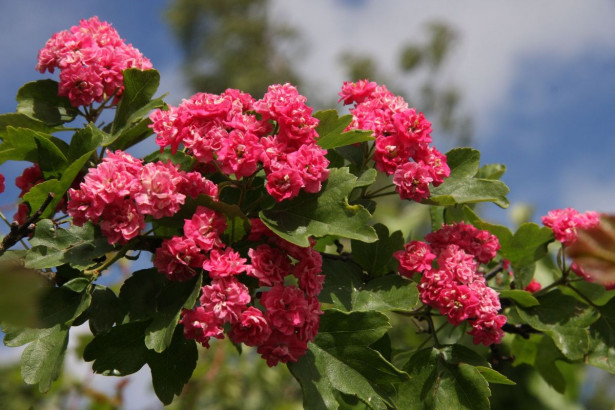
pixel 537 77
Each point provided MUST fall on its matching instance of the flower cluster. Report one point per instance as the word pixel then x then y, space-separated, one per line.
pixel 564 223
pixel 454 286
pixel 402 135
pixel 239 135
pixel 91 58
pixel 121 190
pixel 291 313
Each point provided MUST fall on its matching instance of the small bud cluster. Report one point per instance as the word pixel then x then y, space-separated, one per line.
pixel 454 286
pixel 291 313
pixel 564 223
pixel 121 190
pixel 402 135
pixel 239 135
pixel 91 58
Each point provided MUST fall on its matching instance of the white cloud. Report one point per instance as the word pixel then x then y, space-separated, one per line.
pixel 495 38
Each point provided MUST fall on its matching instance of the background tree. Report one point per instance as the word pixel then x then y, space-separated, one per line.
pixel 231 44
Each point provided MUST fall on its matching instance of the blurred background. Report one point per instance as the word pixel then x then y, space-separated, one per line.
pixel 529 84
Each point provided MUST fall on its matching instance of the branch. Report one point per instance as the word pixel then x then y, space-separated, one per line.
pixel 18 232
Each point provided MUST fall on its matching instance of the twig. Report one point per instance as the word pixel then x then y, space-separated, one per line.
pixel 18 232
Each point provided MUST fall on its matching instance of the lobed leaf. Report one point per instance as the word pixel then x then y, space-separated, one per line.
pixel 325 213
pixel 40 100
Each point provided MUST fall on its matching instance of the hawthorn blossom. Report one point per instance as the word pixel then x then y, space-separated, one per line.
pixel 564 223
pixel 91 58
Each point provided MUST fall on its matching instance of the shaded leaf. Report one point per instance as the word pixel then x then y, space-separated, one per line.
pixel 118 352
pixel 104 310
pixel 441 379
pixel 602 339
pixel 377 257
pixel 565 319
pixel 172 369
pixel 340 359
pixel 169 303
pixel 40 100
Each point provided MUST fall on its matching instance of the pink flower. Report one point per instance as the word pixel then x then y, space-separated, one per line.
pixel 416 257
pixel 91 58
pixel 533 286
pixel 201 325
pixel 205 228
pixel 286 308
pixel 412 181
pixel 251 328
pixel 269 265
pixel 284 183
pixel 221 264
pixel 283 348
pixel 159 194
pixel 226 298
pixel 178 257
pixel 121 222
pixel 356 92
pixel 564 222
pixel 311 162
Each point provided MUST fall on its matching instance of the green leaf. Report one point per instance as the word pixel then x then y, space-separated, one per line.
pixel 139 293
pixel 539 352
pixel 37 195
pixel 325 213
pixel 565 319
pixel 139 88
pixel 118 352
pixel 520 297
pixel 54 246
pixel 377 257
pixel 40 100
pixel 341 281
pixel 602 339
pixel 463 187
pixel 86 140
pixel 41 361
pixel 19 120
pixel 185 162
pixel 130 136
pixel 338 328
pixel 340 359
pixel 22 144
pixel 172 369
pixel 331 130
pixel 344 287
pixel 442 379
pixel 61 306
pixel 169 303
pixel 387 293
pixel 491 171
pixel 104 310
pixel 493 376
pixel 527 245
